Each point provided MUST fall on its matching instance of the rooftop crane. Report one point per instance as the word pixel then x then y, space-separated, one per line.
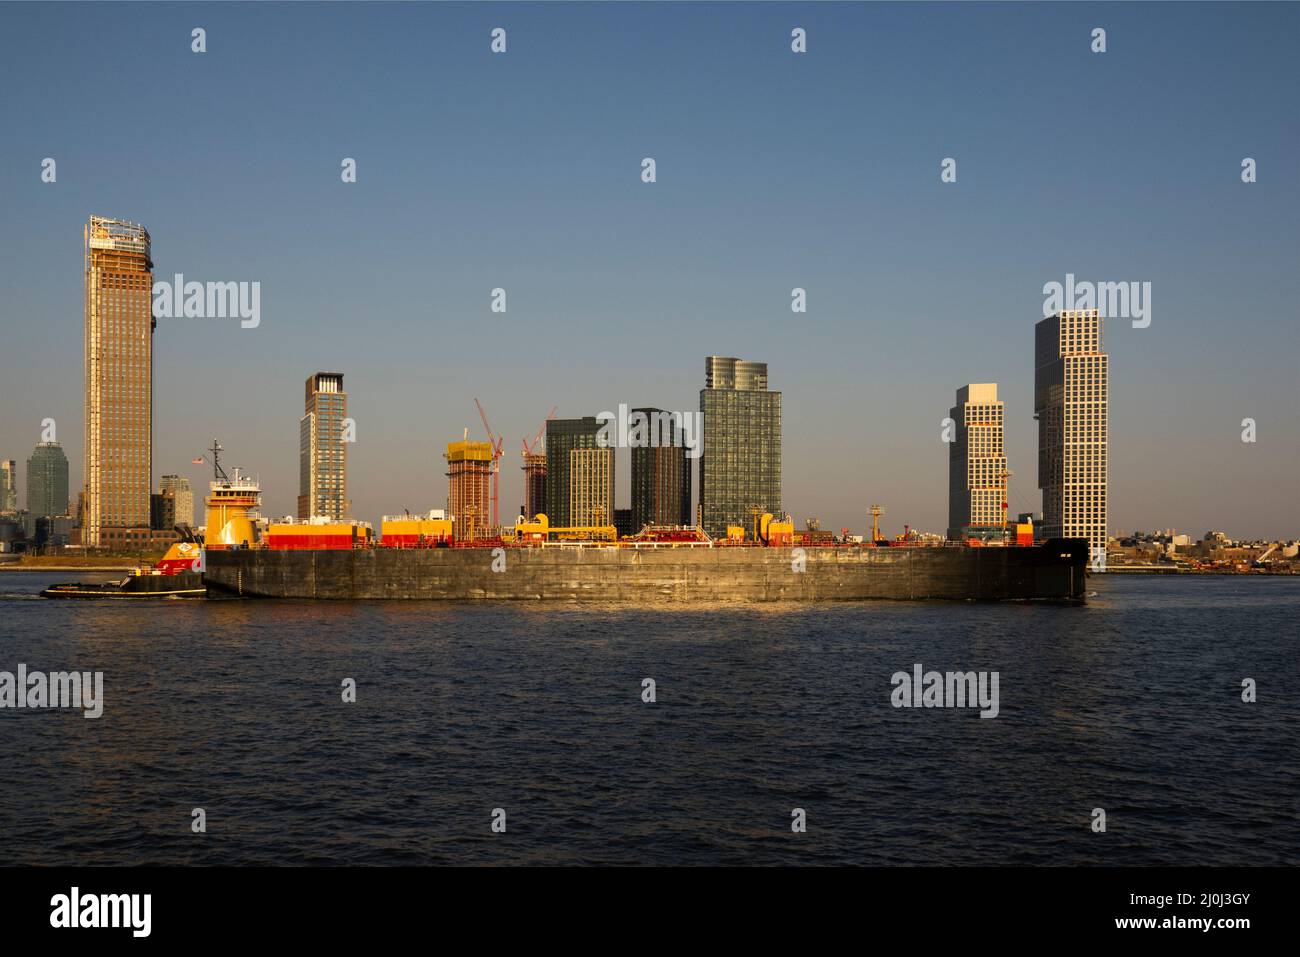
pixel 531 448
pixel 497 442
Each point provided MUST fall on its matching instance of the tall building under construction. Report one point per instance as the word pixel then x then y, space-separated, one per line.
pixel 977 464
pixel 322 451
pixel 534 484
pixel 119 383
pixel 1071 404
pixel 661 473
pixel 469 488
pixel 740 470
pixel 562 437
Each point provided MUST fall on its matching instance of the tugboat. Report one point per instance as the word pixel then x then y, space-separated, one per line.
pixel 231 523
pixel 178 574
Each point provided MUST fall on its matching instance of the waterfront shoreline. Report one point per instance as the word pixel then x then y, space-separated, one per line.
pixel 1193 573
pixel 66 568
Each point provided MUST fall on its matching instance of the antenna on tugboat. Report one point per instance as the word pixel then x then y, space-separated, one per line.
pixel 218 473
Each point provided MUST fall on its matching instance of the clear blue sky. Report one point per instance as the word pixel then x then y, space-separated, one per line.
pixel 775 170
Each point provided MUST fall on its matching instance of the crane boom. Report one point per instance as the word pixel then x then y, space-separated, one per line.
pixel 496 442
pixel 529 447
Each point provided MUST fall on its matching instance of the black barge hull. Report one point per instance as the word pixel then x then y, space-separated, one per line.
pixel 1053 571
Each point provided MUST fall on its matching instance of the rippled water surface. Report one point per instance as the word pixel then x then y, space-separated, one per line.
pixel 1131 703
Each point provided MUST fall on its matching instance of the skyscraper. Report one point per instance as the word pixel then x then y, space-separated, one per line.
pixel 562 437
pixel 1071 402
pixel 177 487
pixel 8 485
pixel 47 481
pixel 591 487
pixel 661 474
pixel 740 469
pixel 469 488
pixel 977 464
pixel 119 382
pixel 322 453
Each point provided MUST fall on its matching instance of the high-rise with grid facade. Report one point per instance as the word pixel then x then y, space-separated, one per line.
pixel 177 487
pixel 562 437
pixel 8 485
pixel 591 487
pixel 740 469
pixel 119 383
pixel 322 453
pixel 977 463
pixel 1071 403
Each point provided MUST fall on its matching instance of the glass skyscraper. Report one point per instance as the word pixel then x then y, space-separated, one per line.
pixel 47 481
pixel 562 437
pixel 740 469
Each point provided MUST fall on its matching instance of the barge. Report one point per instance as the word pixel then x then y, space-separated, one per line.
pixel 1055 570
pixel 419 558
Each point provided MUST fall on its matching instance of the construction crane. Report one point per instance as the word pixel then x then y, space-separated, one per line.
pixel 497 443
pixel 535 470
pixel 876 512
pixel 534 447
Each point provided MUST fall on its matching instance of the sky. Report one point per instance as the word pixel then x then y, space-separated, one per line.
pixel 775 170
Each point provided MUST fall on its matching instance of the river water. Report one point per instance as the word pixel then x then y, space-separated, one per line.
pixel 1131 704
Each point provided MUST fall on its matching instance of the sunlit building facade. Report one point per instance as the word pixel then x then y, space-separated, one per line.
pixel 177 488
pixel 977 462
pixel 1071 404
pixel 8 485
pixel 562 437
pixel 119 328
pixel 322 451
pixel 591 487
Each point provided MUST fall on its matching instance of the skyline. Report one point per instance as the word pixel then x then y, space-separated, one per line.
pixel 914 287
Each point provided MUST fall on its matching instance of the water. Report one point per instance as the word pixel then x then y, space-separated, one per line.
pixel 1132 704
